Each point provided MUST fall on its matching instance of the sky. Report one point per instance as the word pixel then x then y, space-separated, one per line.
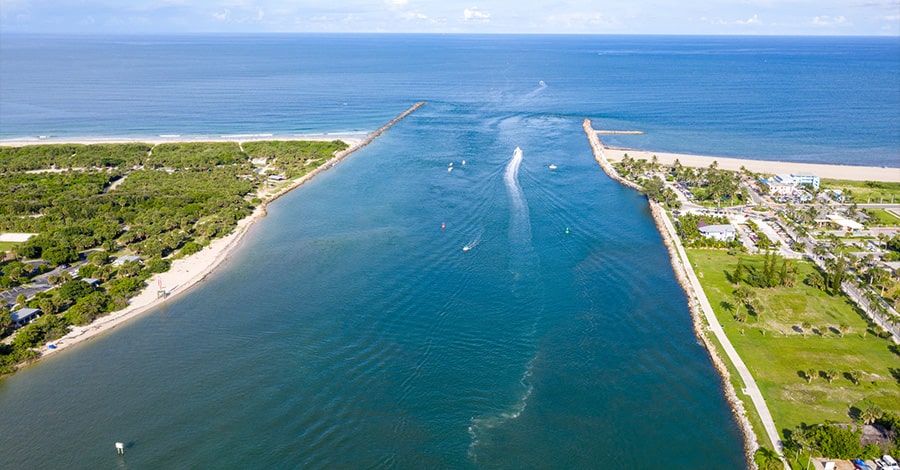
pixel 733 17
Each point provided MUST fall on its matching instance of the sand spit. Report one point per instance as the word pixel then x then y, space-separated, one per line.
pixel 189 271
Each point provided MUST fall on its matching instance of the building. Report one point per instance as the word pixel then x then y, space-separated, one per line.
pixel 124 259
pixel 24 316
pixel 781 189
pixel 844 223
pixel 797 179
pixel 724 232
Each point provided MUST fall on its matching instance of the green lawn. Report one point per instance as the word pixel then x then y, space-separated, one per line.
pixel 6 246
pixel 777 349
pixel 866 191
pixel 883 218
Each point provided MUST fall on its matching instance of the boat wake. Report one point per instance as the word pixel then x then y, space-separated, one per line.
pixel 479 427
pixel 525 268
pixel 474 242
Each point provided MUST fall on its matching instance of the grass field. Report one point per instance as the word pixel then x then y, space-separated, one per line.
pixel 778 349
pixel 6 246
pixel 883 218
pixel 866 191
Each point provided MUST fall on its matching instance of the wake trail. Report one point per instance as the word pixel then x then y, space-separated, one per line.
pixel 525 267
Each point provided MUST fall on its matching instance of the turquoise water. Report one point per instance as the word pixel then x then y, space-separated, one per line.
pixel 350 330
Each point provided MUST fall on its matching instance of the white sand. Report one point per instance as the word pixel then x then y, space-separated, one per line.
pixel 843 172
pixel 352 141
pixel 186 272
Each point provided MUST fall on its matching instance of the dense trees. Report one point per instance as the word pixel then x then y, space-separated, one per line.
pixel 95 200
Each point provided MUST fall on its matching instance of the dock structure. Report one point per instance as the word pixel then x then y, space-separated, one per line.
pixel 609 132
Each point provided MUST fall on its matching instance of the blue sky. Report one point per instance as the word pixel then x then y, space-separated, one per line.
pixel 791 17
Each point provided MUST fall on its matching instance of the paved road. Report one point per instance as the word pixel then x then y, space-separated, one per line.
pixel 751 389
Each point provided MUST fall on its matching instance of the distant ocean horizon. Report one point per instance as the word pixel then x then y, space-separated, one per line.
pixel 794 98
pixel 351 329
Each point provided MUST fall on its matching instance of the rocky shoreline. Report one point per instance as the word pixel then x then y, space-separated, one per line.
pixel 751 443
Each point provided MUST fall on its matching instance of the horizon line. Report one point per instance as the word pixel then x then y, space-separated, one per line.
pixel 429 33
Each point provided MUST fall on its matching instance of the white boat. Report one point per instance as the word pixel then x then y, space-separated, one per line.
pixel 552 166
pixel 466 248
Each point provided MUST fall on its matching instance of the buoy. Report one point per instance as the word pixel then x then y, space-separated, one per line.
pixel 120 448
pixel 443 226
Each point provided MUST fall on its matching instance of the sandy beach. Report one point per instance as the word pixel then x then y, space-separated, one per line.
pixel 187 272
pixel 239 138
pixel 842 172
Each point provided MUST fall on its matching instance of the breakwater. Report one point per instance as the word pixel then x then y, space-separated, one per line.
pixel 340 155
pixel 680 267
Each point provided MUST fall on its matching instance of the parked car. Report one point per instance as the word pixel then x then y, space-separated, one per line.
pixel 888 463
pixel 860 465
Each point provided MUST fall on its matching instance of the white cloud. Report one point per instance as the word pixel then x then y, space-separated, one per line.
pixel 752 20
pixel 413 15
pixel 222 16
pixel 397 3
pixel 581 20
pixel 829 20
pixel 474 14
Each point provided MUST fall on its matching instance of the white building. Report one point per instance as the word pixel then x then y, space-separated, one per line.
pixel 723 232
pixel 24 316
pixel 796 179
pixel 844 223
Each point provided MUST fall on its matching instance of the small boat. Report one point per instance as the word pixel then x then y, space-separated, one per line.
pixel 466 248
pixel 450 169
pixel 464 163
pixel 552 166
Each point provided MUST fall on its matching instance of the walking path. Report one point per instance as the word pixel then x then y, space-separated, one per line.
pixel 751 388
pixel 695 292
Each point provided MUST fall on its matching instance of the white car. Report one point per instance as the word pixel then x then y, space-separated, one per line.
pixel 888 463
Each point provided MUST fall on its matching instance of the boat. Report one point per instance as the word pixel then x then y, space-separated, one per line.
pixel 466 248
pixel 552 166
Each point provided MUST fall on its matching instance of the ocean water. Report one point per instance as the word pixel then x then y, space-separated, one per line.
pixel 350 330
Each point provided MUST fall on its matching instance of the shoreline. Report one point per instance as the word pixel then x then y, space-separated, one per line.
pixel 175 139
pixel 187 272
pixel 823 170
pixel 685 277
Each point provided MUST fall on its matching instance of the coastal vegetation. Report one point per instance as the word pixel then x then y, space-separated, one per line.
pixel 880 192
pixel 811 351
pixel 803 296
pixel 91 204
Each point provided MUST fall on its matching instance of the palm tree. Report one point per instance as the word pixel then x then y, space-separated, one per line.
pixel 856 376
pixel 810 375
pixel 767 459
pixel 871 413
pixel 844 328
pixel 830 374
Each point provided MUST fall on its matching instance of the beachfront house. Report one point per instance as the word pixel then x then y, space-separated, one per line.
pixel 24 316
pixel 722 232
